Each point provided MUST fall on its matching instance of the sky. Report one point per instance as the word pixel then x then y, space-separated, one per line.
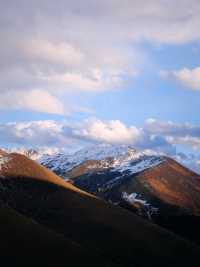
pixel 78 72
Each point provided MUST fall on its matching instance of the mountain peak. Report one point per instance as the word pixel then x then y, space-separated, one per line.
pixel 102 151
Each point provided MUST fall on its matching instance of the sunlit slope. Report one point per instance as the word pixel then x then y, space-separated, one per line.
pixel 174 184
pixel 16 166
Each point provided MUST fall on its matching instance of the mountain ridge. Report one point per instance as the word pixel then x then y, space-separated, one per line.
pixel 120 237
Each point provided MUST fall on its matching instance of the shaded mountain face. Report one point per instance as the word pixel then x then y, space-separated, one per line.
pixel 25 242
pixel 155 187
pixel 80 223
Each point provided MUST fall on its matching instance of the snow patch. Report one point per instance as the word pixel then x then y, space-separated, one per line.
pixel 147 211
pixel 3 161
pixel 133 198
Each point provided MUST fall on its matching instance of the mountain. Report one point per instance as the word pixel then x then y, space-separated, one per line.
pixel 14 165
pixel 39 209
pixel 153 186
pixel 33 153
pixel 121 155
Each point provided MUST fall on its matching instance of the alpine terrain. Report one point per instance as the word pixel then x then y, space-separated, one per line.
pixel 153 186
pixel 46 221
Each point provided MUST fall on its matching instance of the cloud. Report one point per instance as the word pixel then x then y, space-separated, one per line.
pixel 160 136
pixel 44 51
pixel 112 132
pixel 35 133
pixel 54 133
pixel 35 100
pixel 189 78
pixel 175 133
pixel 157 143
pixel 69 46
pixel 97 81
pixel 63 134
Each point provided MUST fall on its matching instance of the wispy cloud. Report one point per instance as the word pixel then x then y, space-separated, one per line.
pixel 35 100
pixel 189 78
pixel 175 133
pixel 85 45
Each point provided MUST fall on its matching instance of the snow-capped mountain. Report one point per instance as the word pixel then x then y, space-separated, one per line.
pixel 33 153
pixel 60 161
pixel 120 158
pixel 101 168
pixel 150 185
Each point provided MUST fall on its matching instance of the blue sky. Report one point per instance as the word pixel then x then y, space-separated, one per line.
pixel 147 96
pixel 99 71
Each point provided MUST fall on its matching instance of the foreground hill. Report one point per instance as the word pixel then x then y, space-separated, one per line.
pixel 15 165
pixel 116 236
pixel 26 243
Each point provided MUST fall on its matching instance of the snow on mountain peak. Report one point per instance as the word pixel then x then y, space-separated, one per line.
pixel 102 151
pixel 33 153
pixel 118 157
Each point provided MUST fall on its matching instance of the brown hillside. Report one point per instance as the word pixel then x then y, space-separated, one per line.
pixel 168 182
pixel 20 166
pixel 173 184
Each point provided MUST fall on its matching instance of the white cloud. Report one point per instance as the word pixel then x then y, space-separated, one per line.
pixel 112 132
pixel 190 141
pixel 35 100
pixel 97 81
pixel 65 46
pixel 61 134
pixel 34 133
pixel 162 137
pixel 40 50
pixel 189 78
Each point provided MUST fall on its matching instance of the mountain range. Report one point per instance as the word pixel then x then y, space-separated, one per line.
pixel 153 186
pixel 102 211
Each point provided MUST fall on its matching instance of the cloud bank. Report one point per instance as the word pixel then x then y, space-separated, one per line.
pixel 155 135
